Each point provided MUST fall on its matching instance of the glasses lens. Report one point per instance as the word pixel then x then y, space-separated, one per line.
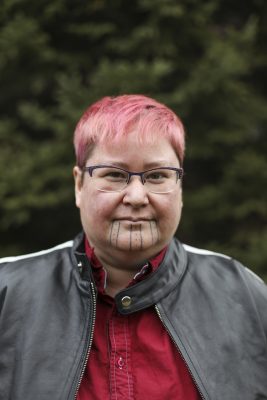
pixel 110 179
pixel 160 180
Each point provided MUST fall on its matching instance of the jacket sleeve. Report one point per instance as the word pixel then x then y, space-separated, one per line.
pixel 3 290
pixel 258 290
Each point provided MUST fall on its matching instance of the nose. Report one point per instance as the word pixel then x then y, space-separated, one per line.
pixel 135 193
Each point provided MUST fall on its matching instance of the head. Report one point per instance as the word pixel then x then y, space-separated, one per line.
pixel 113 118
pixel 136 133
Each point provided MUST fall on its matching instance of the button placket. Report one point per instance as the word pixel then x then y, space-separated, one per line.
pixel 121 380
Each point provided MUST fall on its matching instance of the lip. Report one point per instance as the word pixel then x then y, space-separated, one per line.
pixel 130 219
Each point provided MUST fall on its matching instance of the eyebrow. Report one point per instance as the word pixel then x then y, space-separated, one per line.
pixel 149 165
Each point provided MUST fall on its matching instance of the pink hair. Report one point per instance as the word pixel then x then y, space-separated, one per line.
pixel 111 118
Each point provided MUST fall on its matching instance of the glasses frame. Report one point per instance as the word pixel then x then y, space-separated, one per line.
pixel 179 173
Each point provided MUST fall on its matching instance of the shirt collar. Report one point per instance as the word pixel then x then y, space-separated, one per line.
pixel 100 273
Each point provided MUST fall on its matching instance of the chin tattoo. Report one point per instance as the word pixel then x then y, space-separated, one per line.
pixel 137 237
pixel 154 232
pixel 114 233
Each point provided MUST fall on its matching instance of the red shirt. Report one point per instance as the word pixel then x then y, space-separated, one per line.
pixel 132 356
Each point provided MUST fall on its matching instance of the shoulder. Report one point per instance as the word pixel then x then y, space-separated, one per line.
pixel 221 281
pixel 36 255
pixel 15 268
pixel 27 277
pixel 203 252
pixel 214 263
pixel 226 272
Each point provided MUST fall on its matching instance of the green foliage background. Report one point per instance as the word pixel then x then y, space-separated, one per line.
pixel 206 60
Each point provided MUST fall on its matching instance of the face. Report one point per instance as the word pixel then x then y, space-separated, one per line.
pixel 132 225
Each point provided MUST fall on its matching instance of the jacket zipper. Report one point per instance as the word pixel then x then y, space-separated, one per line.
pixel 179 351
pixel 90 342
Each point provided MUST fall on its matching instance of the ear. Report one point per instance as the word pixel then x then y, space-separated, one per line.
pixel 181 196
pixel 78 181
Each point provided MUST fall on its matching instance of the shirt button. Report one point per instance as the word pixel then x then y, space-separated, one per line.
pixel 126 301
pixel 120 362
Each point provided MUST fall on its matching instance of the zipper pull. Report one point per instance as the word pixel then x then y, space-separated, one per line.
pixel 80 267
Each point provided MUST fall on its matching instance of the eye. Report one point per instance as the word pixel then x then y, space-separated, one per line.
pixel 156 176
pixel 115 175
pixel 112 174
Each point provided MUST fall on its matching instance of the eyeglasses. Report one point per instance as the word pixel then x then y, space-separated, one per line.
pixel 108 178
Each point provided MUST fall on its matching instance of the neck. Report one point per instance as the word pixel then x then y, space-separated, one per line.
pixel 117 279
pixel 119 275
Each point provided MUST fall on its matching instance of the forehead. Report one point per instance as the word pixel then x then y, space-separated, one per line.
pixel 130 151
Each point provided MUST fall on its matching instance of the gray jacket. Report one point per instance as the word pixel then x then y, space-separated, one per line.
pixel 214 309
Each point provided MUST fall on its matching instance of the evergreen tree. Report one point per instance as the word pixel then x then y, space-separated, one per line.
pixel 206 60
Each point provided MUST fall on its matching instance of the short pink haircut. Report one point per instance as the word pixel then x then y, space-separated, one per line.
pixel 111 118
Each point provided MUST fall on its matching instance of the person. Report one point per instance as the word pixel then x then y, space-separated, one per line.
pixel 125 310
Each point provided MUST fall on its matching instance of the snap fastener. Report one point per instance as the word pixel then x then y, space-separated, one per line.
pixel 126 301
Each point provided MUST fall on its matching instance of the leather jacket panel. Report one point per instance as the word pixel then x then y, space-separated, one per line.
pixel 212 307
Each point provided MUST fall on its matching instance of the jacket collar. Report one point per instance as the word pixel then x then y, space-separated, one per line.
pixel 157 285
pixel 149 291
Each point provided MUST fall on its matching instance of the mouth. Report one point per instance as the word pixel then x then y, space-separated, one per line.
pixel 134 220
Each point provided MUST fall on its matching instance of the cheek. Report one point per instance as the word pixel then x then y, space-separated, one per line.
pixel 97 208
pixel 95 219
pixel 169 212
